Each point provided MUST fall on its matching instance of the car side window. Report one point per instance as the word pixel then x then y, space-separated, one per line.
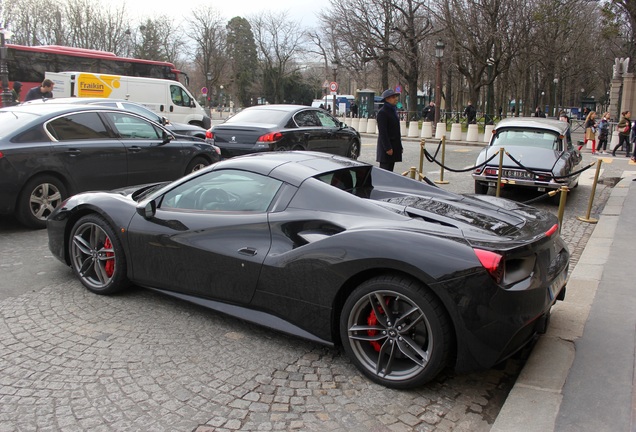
pixel 306 118
pixel 223 191
pixel 80 126
pixel 132 127
pixel 326 120
pixel 141 111
pixel 179 96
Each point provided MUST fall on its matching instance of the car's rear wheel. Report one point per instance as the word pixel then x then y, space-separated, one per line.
pixel 196 164
pixel 481 188
pixel 97 256
pixel 395 331
pixel 354 150
pixel 38 199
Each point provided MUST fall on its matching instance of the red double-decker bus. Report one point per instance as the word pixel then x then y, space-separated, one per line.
pixel 28 64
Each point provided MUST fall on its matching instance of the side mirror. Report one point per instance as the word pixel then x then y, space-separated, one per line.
pixel 164 120
pixel 192 104
pixel 167 137
pixel 148 210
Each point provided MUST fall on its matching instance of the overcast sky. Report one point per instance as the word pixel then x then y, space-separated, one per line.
pixel 300 10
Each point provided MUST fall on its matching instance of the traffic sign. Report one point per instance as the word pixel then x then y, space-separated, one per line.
pixel 204 90
pixel 333 86
pixel 398 88
pixel 325 84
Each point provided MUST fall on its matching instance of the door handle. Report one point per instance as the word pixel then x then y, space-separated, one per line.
pixel 135 149
pixel 73 152
pixel 248 251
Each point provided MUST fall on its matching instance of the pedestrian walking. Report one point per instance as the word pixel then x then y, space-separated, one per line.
pixel 624 130
pixel 354 110
pixel 428 113
pixel 15 92
pixel 603 133
pixel 45 91
pixel 539 113
pixel 389 148
pixel 470 112
pixel 565 118
pixel 590 130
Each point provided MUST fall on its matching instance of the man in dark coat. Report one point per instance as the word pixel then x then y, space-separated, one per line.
pixel 471 113
pixel 389 150
pixel 428 113
pixel 45 91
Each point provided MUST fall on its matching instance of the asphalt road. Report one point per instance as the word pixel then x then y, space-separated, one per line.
pixel 72 360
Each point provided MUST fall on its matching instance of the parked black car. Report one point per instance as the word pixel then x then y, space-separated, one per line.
pixel 408 277
pixel 187 130
pixel 51 151
pixel 547 160
pixel 284 127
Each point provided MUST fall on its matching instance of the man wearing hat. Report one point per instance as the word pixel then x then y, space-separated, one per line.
pixel 389 137
pixel 17 86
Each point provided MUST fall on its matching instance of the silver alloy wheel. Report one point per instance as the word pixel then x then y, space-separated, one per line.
pixel 198 167
pixel 44 199
pixel 93 255
pixel 354 150
pixel 390 335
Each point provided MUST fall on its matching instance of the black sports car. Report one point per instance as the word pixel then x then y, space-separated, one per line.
pixel 284 127
pixel 406 276
pixel 51 151
pixel 545 157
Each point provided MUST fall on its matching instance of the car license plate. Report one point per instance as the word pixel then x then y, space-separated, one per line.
pixel 556 285
pixel 518 174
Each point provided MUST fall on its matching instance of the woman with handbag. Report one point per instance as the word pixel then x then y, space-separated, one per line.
pixel 624 129
pixel 590 130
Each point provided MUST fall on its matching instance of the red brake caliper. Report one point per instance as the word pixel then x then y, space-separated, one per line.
pixel 110 264
pixel 373 320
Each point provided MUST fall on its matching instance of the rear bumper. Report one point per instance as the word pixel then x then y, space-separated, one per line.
pixel 538 185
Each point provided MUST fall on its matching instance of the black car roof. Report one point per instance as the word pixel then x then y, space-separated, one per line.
pixel 280 107
pixel 291 167
pixel 58 108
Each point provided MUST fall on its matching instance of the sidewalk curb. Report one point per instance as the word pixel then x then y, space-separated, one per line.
pixel 536 397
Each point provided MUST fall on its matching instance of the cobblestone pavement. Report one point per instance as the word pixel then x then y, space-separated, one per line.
pixel 140 361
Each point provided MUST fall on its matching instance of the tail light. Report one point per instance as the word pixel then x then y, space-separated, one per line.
pixel 552 230
pixel 492 262
pixel 209 134
pixel 270 137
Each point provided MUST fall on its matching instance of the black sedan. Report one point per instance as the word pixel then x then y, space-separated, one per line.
pixel 182 130
pixel 51 151
pixel 284 127
pixel 544 157
pixel 406 276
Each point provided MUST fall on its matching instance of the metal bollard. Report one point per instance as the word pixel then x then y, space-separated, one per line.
pixel 564 195
pixel 422 144
pixel 501 155
pixel 441 177
pixel 589 206
pixel 412 172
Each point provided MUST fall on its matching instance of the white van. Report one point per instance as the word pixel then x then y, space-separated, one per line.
pixel 165 97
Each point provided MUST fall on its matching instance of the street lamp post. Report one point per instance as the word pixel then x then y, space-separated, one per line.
pixel 439 53
pixel 490 97
pixel 334 67
pixel 7 97
pixel 221 100
pixel 208 94
pixel 556 84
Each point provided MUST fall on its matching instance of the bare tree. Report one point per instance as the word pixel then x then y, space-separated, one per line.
pixel 207 31
pixel 279 41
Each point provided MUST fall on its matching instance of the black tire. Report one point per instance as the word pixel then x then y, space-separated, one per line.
pixel 197 164
pixel 354 150
pixel 97 256
pixel 480 188
pixel 403 349
pixel 39 197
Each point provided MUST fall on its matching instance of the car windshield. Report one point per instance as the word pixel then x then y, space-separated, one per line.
pixel 259 116
pixel 13 120
pixel 527 138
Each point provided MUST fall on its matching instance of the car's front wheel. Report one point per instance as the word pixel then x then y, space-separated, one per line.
pixel 395 331
pixel 39 197
pixel 97 255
